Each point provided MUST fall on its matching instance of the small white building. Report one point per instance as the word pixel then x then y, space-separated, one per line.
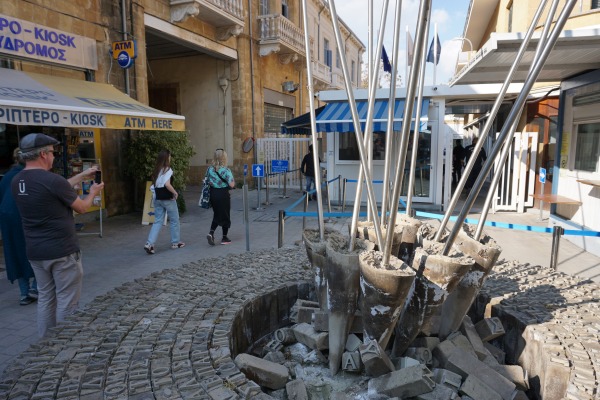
pixel 439 125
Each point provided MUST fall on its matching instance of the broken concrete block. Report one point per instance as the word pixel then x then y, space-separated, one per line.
pixel 439 392
pixel 442 351
pixel 307 335
pixel 489 328
pixel 296 390
pixel 497 353
pixel 465 365
pixel 520 395
pixel 285 335
pixel 514 373
pixel 476 389
pixel 353 342
pixel 447 378
pixel 375 360
pixel 468 330
pixel 318 390
pixel 351 361
pixel 460 341
pixel 405 362
pixel 275 356
pixel 489 360
pixel 263 372
pixel 403 383
pixel 305 314
pixel 422 354
pixel 426 341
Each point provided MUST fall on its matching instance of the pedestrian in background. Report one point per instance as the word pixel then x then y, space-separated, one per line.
pixel 308 169
pixel 221 181
pixel 15 258
pixel 481 157
pixel 165 203
pixel 458 162
pixel 46 202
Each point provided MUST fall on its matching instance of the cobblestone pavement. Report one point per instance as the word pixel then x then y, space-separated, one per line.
pixel 181 301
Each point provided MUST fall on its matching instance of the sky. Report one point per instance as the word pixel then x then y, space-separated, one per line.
pixel 450 16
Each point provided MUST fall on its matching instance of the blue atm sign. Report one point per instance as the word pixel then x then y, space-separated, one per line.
pixel 124 52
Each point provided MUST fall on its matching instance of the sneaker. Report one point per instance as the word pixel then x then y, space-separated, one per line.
pixel 211 239
pixel 149 248
pixel 225 240
pixel 26 300
pixel 33 293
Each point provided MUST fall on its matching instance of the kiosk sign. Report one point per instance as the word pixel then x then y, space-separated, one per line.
pixel 278 166
pixel 542 175
pixel 20 38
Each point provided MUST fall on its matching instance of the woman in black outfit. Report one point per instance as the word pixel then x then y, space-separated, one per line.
pixel 221 181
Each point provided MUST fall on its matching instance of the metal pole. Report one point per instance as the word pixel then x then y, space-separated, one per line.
pixel 389 137
pixel 424 7
pixel 284 186
pixel 344 195
pixel 357 128
pixel 246 215
pixel 506 149
pixel 369 129
pixel 557 232
pixel 266 203
pixel 280 229
pixel 305 209
pixel 416 131
pixel 328 199
pixel 488 124
pixel 339 181
pixel 313 121
pixel 511 118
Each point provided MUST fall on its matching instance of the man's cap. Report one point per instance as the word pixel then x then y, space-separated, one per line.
pixel 35 141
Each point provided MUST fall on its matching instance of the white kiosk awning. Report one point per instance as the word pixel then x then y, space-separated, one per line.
pixel 575 52
pixel 43 100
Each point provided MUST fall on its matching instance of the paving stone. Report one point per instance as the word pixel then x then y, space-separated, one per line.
pixel 308 336
pixel 265 373
pixel 376 362
pixel 476 389
pixel 403 383
pixel 489 328
pixel 296 390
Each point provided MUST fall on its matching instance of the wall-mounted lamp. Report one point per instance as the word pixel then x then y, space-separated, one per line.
pixel 290 86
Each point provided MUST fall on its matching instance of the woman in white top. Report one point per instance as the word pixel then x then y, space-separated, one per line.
pixel 165 201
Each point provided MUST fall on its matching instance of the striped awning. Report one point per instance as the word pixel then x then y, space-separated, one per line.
pixel 299 125
pixel 337 117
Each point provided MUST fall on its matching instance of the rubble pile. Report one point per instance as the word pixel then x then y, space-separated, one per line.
pixel 292 363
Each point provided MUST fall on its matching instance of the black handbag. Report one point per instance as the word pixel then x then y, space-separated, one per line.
pixel 163 193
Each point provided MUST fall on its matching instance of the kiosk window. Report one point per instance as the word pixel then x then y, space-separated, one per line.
pixel 587 150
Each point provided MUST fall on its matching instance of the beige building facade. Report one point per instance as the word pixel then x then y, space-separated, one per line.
pixel 234 69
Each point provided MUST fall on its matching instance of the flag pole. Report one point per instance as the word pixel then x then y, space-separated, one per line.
pixel 407 58
pixel 435 53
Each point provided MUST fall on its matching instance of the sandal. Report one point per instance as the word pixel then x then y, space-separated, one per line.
pixel 149 248
pixel 177 245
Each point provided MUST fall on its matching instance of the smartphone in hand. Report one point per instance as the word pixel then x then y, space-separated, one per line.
pixel 98 177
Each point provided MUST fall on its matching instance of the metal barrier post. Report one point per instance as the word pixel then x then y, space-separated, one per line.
pixel 280 230
pixel 285 196
pixel 246 215
pixel 305 209
pixel 344 194
pixel 339 199
pixel 328 199
pixel 557 232
pixel 266 203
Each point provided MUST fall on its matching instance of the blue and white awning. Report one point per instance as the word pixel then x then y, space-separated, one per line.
pixel 337 117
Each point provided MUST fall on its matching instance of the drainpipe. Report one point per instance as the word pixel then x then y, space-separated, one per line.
pixel 251 73
pixel 124 28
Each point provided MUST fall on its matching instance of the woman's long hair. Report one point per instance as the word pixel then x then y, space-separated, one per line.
pixel 163 162
pixel 219 159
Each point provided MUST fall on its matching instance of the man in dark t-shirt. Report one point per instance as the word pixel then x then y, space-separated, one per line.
pixel 308 169
pixel 46 202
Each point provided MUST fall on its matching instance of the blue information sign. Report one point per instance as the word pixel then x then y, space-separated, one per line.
pixel 279 165
pixel 542 175
pixel 258 170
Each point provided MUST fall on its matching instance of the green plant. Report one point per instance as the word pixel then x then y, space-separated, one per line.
pixel 142 151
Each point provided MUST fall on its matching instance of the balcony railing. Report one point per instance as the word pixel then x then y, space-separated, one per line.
pixel 227 15
pixel 278 34
pixel 321 72
pixel 337 80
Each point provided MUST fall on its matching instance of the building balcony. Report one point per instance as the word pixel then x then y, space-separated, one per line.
pixel 321 75
pixel 337 80
pixel 226 15
pixel 279 35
